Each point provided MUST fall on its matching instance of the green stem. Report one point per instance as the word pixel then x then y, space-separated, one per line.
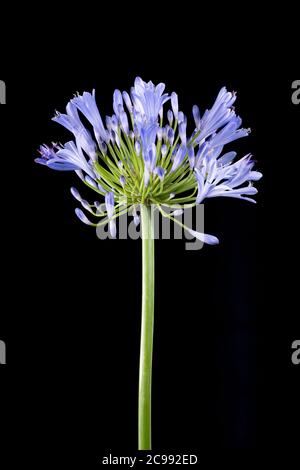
pixel 147 226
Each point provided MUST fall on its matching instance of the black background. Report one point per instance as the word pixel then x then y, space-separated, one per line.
pixel 225 316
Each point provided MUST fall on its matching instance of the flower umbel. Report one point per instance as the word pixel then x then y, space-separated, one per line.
pixel 139 157
pixel 143 157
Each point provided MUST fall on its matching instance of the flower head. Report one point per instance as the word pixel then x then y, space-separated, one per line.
pixel 136 158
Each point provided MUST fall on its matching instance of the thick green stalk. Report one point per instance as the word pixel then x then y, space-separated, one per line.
pixel 147 225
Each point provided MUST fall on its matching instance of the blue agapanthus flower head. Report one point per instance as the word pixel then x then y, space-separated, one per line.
pixel 144 155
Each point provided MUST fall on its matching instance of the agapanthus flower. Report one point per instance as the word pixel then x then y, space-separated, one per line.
pixel 138 157
pixel 144 156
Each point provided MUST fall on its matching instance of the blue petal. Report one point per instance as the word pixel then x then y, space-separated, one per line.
pixel 41 161
pixel 117 101
pixel 110 203
pixel 174 103
pixel 62 166
pixel 160 172
pixel 227 158
pixel 170 117
pixel 81 216
pixel 204 237
pixel 196 114
pixel 76 194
